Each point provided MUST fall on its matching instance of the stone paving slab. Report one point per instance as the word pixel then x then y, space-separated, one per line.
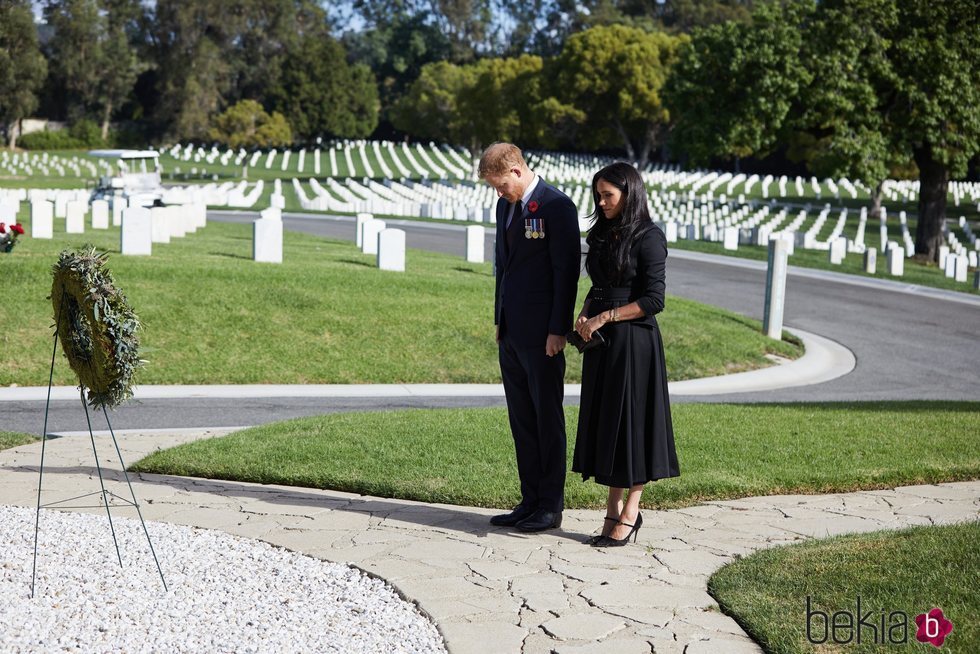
pixel 491 589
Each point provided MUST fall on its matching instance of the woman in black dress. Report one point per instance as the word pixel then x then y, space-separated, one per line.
pixel 625 438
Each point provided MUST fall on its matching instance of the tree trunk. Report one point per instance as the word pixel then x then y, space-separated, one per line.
pixel 933 184
pixel 11 136
pixel 105 120
pixel 630 152
pixel 876 201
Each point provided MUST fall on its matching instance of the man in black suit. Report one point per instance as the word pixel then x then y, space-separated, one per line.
pixel 537 261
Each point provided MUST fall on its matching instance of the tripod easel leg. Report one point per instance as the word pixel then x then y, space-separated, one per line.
pixel 133 493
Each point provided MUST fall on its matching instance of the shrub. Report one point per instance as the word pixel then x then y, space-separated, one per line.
pixel 247 124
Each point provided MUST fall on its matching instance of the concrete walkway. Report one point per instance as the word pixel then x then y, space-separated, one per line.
pixel 823 360
pixel 491 589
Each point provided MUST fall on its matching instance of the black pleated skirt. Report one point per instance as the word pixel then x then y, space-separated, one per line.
pixel 625 436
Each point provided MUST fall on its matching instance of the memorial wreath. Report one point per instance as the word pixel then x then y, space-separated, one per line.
pixel 97 328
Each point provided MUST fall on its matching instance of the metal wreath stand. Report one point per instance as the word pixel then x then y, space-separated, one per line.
pixel 104 494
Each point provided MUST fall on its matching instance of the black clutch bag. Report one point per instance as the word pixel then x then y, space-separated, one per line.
pixel 597 340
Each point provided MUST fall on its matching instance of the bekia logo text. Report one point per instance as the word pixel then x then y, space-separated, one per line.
pixel 881 627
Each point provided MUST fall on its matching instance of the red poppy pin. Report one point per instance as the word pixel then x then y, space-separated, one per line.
pixel 532 206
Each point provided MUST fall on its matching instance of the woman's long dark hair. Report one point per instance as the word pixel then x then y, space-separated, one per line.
pixel 610 240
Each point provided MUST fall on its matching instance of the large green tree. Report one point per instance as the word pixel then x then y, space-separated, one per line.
pixel 430 107
pixel 608 80
pixel 866 85
pixel 735 84
pixel 22 66
pixel 322 95
pixel 212 53
pixel 93 56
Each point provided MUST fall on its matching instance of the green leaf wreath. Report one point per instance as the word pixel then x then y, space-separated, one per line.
pixel 97 328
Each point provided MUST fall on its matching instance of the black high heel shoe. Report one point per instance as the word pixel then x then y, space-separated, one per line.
pixel 608 541
pixel 595 539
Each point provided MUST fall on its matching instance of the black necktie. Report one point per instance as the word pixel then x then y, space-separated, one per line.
pixel 515 227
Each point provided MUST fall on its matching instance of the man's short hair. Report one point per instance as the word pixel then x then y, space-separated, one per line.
pixel 499 158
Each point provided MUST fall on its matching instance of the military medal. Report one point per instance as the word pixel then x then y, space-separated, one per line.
pixel 529 228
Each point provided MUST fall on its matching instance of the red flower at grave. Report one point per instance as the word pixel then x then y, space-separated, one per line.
pixel 3 228
pixel 17 228
pixel 933 627
pixel 532 206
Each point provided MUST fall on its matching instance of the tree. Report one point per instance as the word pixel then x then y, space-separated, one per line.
pixel 734 86
pixel 93 59
pixel 22 66
pixel 932 105
pixel 874 85
pixel 321 94
pixel 396 51
pixel 608 80
pixel 430 107
pixel 247 125
pixel 499 103
pixel 212 53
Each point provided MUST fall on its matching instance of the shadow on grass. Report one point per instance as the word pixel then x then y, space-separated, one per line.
pixel 230 256
pixel 419 513
pixel 470 270
pixel 356 262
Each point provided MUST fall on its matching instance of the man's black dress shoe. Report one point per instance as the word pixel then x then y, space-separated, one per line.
pixel 540 520
pixel 519 513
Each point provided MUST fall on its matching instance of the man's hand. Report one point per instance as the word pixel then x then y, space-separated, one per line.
pixel 554 345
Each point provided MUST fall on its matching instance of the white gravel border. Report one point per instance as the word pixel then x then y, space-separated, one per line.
pixel 227 594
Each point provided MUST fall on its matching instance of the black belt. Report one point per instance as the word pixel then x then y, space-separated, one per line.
pixel 602 293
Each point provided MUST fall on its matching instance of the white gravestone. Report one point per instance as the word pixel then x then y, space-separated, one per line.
pixel 75 211
pixel 278 201
pixel 359 227
pixel 671 231
pixel 175 220
pixel 896 260
pixel 42 219
pixel 118 205
pixel 391 249
pixel 60 205
pixel 943 255
pixel 369 236
pixel 8 212
pixel 870 260
pixel 267 240
pixel 838 248
pixel 160 225
pixel 962 267
pixel 137 231
pixel 731 238
pixel 475 238
pixel 100 214
pixel 272 213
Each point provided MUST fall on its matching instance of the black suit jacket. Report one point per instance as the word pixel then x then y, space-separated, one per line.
pixel 537 281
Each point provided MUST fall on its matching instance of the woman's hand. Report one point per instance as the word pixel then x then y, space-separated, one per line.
pixel 586 327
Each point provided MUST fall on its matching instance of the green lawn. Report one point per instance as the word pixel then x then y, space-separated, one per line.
pixel 326 315
pixel 465 456
pixel 10 439
pixel 910 571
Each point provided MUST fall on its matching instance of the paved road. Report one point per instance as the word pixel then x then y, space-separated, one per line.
pixel 909 344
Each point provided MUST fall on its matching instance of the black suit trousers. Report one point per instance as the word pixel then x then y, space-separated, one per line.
pixel 534 386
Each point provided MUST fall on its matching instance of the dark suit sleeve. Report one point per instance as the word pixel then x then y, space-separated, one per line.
pixel 565 250
pixel 652 269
